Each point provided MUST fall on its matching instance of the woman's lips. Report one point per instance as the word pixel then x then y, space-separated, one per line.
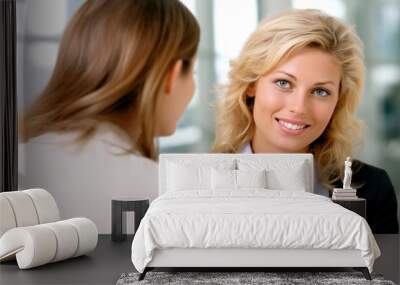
pixel 291 128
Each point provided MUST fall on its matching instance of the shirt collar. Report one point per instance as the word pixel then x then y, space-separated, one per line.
pixel 247 149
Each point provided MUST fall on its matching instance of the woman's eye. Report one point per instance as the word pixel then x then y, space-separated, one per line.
pixel 321 92
pixel 282 84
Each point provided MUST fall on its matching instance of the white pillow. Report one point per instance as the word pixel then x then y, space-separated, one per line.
pixel 223 179
pixel 185 177
pixel 188 174
pixel 293 180
pixel 227 179
pixel 281 174
pixel 251 178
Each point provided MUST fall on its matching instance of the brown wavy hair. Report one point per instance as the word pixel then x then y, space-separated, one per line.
pixel 273 41
pixel 113 60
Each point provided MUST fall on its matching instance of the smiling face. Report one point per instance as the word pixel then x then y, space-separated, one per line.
pixel 295 102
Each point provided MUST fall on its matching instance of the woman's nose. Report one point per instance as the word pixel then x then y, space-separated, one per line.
pixel 297 102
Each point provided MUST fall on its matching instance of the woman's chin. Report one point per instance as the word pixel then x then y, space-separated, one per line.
pixel 292 148
pixel 296 150
pixel 166 132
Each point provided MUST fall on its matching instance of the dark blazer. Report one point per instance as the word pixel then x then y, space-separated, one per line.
pixel 378 190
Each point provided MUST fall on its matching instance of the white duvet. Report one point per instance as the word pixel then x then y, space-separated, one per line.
pixel 250 218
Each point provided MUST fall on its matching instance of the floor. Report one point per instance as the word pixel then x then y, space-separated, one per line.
pixel 111 259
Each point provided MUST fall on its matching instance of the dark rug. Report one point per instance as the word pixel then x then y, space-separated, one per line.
pixel 229 278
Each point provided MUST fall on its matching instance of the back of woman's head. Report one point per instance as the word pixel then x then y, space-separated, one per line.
pixel 272 43
pixel 113 59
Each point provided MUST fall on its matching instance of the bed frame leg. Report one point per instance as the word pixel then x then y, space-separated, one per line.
pixel 143 274
pixel 364 271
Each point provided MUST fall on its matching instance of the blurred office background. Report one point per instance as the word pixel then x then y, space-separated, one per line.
pixel 225 25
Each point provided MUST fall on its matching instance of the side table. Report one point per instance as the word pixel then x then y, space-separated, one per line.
pixel 119 207
pixel 358 206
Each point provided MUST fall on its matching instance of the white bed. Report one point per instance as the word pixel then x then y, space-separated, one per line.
pixel 202 220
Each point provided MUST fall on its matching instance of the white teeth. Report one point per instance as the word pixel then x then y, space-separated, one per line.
pixel 291 126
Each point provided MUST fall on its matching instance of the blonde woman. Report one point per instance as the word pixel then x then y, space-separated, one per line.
pixel 295 87
pixel 123 77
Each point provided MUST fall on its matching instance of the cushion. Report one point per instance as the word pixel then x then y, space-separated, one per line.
pixel 236 179
pixel 251 178
pixel 31 233
pixel 281 174
pixel 27 208
pixel 66 236
pixel 23 208
pixel 185 175
pixel 45 205
pixel 40 244
pixel 7 215
pixel 182 177
pixel 223 179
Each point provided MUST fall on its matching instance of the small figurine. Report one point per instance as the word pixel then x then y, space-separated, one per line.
pixel 345 193
pixel 347 174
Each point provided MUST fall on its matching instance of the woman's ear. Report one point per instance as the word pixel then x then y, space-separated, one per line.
pixel 172 76
pixel 251 90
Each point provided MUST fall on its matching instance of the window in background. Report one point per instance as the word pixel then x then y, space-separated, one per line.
pixel 38 43
pixel 387 75
pixel 332 7
pixel 379 25
pixel 388 32
pixel 234 21
pixel 225 26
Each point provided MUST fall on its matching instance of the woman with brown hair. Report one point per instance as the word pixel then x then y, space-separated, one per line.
pixel 123 77
pixel 295 88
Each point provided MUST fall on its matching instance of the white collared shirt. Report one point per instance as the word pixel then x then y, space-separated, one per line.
pixel 83 178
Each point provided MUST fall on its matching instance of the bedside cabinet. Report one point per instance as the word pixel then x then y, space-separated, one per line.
pixel 358 206
pixel 119 207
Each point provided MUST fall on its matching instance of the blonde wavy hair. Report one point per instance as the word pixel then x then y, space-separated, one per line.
pixel 274 41
pixel 113 60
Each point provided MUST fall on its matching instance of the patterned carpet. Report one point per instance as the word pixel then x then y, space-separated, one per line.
pixel 230 278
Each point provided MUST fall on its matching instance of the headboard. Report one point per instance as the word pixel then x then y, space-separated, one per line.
pixel 213 159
